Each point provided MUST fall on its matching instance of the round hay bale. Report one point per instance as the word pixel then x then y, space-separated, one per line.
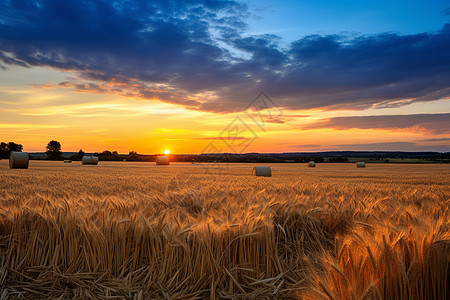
pixel 94 160
pixel 312 164
pixel 67 161
pixel 360 164
pixel 89 160
pixel 85 159
pixel 162 160
pixel 262 171
pixel 19 160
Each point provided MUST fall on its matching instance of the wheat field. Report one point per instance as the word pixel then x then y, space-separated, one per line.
pixel 124 230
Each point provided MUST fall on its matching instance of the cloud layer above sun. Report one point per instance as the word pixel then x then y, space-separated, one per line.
pixel 196 53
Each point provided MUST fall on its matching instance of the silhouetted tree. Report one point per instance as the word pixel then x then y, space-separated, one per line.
pixel 78 156
pixel 54 150
pixel 15 147
pixel 133 155
pixel 5 149
pixel 108 155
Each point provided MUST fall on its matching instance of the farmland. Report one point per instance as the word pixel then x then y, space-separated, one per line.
pixel 124 230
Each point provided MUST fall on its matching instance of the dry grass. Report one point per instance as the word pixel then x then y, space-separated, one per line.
pixel 141 231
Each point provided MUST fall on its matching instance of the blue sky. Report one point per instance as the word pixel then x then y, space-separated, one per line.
pixel 294 19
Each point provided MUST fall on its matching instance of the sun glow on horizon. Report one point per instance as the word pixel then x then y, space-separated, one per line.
pixel 166 151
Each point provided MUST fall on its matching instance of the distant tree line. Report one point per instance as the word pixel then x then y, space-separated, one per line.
pixel 337 159
pixel 6 148
pixel 77 156
pixel 252 158
pixel 54 152
pixel 108 155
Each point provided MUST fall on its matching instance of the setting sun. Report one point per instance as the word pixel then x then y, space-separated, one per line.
pixel 166 151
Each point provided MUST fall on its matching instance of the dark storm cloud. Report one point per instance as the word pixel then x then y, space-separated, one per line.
pixel 434 123
pixel 382 71
pixel 188 47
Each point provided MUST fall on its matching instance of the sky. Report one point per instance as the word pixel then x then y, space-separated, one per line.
pixel 225 76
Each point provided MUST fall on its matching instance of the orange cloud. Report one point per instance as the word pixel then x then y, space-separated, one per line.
pixel 431 123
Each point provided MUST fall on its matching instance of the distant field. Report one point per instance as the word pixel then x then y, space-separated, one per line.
pixel 395 160
pixel 125 230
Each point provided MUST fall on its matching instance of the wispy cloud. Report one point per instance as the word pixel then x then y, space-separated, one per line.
pixel 432 123
pixel 222 138
pixel 306 146
pixel 96 109
pixel 31 126
pixel 435 140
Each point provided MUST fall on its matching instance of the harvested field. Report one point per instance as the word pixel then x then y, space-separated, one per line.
pixel 124 230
